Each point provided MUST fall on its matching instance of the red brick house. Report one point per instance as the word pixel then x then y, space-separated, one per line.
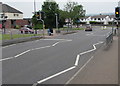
pixel 14 17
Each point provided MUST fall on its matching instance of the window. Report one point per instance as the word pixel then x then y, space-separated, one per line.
pixel 16 15
pixel 99 19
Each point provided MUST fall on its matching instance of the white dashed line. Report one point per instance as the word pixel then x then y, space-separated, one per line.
pixel 55 44
pixel 65 40
pixel 41 48
pixel 6 59
pixel 22 53
pixel 9 46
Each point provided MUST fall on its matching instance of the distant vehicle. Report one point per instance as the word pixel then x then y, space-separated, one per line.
pixel 88 27
pixel 27 29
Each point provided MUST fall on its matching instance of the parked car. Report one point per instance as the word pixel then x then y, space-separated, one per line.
pixel 88 27
pixel 27 29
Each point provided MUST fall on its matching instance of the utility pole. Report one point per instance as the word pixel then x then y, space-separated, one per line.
pixel 34 7
pixel 57 22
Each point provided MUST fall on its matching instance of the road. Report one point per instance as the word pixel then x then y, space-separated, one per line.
pixel 50 61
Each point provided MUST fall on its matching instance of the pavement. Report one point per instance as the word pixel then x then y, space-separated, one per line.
pixel 102 69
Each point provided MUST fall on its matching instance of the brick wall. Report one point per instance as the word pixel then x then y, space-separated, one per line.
pixel 8 24
pixel 22 22
pixel 17 22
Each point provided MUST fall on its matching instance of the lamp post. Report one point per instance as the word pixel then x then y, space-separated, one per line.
pixel 56 15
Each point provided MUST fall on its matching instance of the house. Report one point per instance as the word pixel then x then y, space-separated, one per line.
pixel 105 19
pixel 11 16
pixel 0 15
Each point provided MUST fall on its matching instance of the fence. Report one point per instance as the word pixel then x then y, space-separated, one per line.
pixel 109 38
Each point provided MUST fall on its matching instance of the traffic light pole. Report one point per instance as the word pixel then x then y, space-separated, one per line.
pixel 113 26
pixel 43 27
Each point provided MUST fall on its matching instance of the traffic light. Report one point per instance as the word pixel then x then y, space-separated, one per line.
pixel 42 15
pixel 117 12
pixel 38 15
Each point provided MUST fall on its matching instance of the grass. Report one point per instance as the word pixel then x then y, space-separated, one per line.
pixel 14 36
pixel 0 36
pixel 78 28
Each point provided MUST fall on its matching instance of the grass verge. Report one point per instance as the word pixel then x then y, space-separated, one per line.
pixel 14 36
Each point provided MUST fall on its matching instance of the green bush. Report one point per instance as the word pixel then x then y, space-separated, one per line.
pixel 17 27
pixel 38 26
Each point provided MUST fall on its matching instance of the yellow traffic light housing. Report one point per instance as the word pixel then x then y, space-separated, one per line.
pixel 117 12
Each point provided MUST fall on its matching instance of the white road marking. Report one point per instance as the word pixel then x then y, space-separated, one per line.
pixel 22 53
pixel 55 44
pixel 57 74
pixel 6 59
pixel 15 56
pixel 99 35
pixel 94 48
pixel 89 34
pixel 79 71
pixel 77 60
pixel 41 48
pixel 65 40
pixel 75 33
pixel 53 39
pixel 36 41
pixel 9 45
pixel 76 64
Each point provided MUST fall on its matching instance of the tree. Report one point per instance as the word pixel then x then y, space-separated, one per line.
pixel 36 24
pixel 50 8
pixel 75 11
pixel 62 17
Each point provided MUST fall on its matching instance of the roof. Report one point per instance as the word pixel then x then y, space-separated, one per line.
pixel 8 9
pixel 99 16
pixel 85 17
pixel 112 16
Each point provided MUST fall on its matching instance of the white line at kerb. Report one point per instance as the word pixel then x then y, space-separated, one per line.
pixel 57 74
pixel 79 71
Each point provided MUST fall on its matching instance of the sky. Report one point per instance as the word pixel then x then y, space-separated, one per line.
pixel 91 6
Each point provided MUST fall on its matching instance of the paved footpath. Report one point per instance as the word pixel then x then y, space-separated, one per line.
pixel 102 69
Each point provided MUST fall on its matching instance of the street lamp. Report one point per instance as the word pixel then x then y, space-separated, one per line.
pixel 56 15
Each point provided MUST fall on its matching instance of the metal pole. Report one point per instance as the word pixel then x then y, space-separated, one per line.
pixel 34 7
pixel 43 28
pixel 35 14
pixel 113 26
pixel 57 22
